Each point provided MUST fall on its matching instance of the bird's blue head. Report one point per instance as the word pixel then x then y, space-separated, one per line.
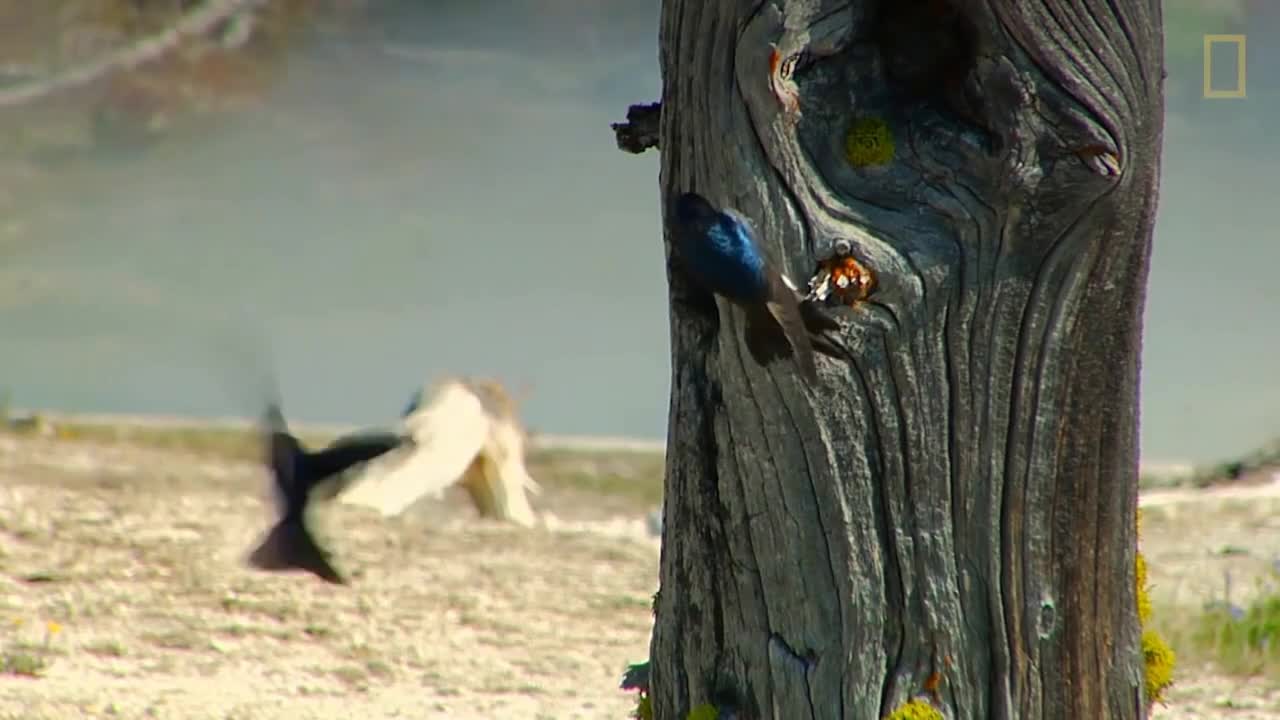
pixel 719 249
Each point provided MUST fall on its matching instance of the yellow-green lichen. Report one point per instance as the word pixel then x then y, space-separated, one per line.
pixel 916 709
pixel 869 142
pixel 1158 658
pixel 644 710
pixel 1144 596
pixel 705 711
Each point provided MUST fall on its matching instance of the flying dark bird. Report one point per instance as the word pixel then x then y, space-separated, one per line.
pixel 297 472
pixel 718 249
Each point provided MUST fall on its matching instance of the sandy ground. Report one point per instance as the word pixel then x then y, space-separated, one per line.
pixel 136 554
pixel 1217 544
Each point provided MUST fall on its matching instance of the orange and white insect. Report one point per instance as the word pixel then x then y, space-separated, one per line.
pixel 844 277
pixel 854 282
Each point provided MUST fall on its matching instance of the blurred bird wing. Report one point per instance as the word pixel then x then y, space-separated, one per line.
pixel 817 323
pixel 281 451
pixel 350 450
pixel 447 435
pixel 508 437
pixel 272 420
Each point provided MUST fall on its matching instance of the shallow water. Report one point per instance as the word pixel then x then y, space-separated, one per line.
pixel 446 197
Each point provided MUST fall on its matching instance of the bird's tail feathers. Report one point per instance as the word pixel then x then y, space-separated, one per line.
pixel 288 547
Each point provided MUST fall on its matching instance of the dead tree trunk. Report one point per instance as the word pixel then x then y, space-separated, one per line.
pixel 958 497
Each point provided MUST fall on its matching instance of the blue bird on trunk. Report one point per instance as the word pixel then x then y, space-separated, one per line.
pixel 719 251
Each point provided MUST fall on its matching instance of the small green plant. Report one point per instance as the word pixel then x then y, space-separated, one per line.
pixel 23 658
pixel 1244 640
pixel 636 678
pixel 644 707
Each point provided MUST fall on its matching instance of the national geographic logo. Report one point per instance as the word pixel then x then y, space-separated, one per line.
pixel 1236 92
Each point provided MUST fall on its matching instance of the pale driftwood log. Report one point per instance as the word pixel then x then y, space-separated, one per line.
pixel 960 495
pixel 199 21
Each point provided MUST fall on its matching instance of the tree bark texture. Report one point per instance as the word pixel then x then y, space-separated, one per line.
pixel 952 512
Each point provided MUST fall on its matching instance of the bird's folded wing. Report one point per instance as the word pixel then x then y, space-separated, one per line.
pixel 447 435
pixel 784 305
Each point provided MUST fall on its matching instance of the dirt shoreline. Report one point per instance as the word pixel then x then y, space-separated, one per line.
pixel 1168 469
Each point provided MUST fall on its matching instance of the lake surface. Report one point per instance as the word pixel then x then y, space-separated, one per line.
pixel 445 197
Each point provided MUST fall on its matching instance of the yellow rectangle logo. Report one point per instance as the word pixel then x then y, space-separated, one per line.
pixel 1238 91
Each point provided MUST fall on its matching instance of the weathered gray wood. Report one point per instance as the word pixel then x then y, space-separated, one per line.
pixel 964 486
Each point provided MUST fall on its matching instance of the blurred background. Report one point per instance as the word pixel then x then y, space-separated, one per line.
pixel 392 190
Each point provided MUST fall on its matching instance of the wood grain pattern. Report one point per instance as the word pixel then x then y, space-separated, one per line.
pixel 964 484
